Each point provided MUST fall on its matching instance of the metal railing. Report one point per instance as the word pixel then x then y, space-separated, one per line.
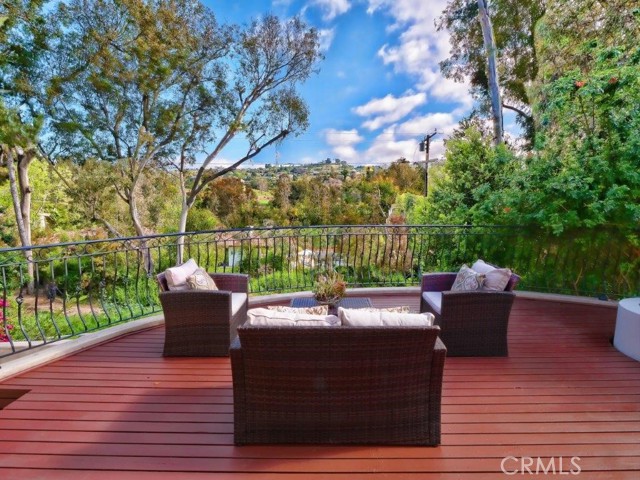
pixel 71 288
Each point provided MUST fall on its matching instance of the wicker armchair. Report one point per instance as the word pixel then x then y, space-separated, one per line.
pixel 203 323
pixel 341 385
pixel 472 323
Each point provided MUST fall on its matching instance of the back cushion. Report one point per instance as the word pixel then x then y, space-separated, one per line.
pixel 265 316
pixel 177 276
pixel 356 317
pixel 496 279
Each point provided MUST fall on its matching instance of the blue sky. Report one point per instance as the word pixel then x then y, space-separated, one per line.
pixel 379 90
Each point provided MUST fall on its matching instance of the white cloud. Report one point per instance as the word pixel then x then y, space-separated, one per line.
pixel 332 8
pixel 402 139
pixel 421 47
pixel 444 123
pixel 386 148
pixel 389 109
pixel 342 143
pixel 326 38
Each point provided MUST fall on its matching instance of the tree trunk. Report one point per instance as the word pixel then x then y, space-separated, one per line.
pixel 21 197
pixel 133 212
pixel 143 249
pixel 184 212
pixel 492 71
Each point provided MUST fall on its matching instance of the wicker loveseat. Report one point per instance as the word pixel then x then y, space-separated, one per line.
pixel 337 385
pixel 203 323
pixel 473 323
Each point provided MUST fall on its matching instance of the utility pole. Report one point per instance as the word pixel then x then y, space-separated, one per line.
pixel 424 147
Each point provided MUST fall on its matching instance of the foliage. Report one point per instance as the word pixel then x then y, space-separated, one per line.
pixel 329 286
pixel 53 211
pixel 232 201
pixel 474 177
pixel 132 80
pixel 24 36
pixel 202 219
pixel 259 99
pixel 6 326
pixel 586 171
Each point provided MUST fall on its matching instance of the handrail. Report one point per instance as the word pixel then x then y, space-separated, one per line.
pixel 78 287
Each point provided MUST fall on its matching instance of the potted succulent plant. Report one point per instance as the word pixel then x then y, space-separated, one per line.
pixel 329 288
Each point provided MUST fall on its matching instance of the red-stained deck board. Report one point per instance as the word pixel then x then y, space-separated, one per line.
pixel 121 410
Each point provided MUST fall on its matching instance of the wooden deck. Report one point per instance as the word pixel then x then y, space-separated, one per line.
pixel 122 411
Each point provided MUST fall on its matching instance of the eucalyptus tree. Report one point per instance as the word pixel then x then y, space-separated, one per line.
pixel 23 42
pixel 148 84
pixel 133 81
pixel 258 99
pixel 513 23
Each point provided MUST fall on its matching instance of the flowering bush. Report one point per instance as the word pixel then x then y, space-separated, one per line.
pixel 4 330
pixel 329 287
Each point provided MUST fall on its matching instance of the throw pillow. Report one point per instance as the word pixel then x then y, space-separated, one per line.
pixel 361 317
pixel 177 276
pixel 317 310
pixel 201 280
pixel 496 278
pixel 468 280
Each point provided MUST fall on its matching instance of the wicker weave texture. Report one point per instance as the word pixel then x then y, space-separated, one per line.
pixel 200 323
pixel 347 385
pixel 473 323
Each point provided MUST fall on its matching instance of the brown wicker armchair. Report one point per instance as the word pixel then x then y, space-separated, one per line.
pixel 341 385
pixel 472 323
pixel 203 323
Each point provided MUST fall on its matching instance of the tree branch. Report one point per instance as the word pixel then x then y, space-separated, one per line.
pixel 518 111
pixel 204 181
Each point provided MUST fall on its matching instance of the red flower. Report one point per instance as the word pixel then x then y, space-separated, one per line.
pixel 580 83
pixel 613 80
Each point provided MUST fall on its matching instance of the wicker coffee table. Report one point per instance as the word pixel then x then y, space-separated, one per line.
pixel 346 302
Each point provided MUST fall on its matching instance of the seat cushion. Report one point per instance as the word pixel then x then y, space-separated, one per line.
pixel 358 317
pixel 238 300
pixel 434 299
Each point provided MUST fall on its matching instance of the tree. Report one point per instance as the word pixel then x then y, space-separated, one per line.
pixel 513 23
pixel 231 200
pixel 260 102
pixel 492 71
pixel 406 177
pixel 474 176
pixel 135 80
pixel 585 172
pixel 23 40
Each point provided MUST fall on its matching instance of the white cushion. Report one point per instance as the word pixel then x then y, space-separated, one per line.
pixel 434 299
pixel 264 316
pixel 238 300
pixel 401 309
pixel 496 279
pixel 177 276
pixel 482 267
pixel 356 317
pixel 317 310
